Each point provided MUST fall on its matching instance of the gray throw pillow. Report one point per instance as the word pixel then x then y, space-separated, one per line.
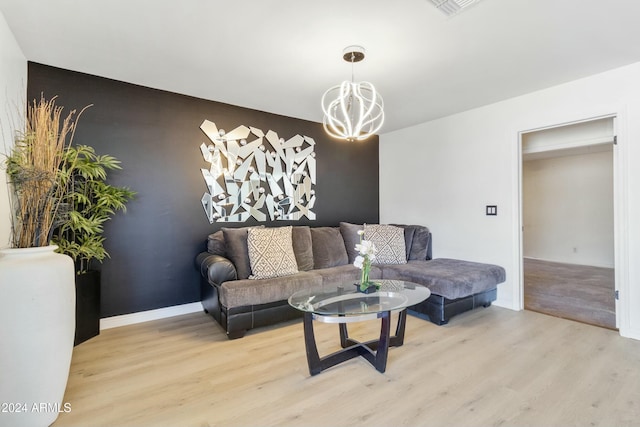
pixel 420 244
pixel 215 244
pixel 351 238
pixel 237 250
pixel 328 247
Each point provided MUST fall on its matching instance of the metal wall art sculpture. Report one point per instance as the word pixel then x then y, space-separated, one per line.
pixel 257 175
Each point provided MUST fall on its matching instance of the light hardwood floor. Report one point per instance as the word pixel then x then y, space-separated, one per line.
pixel 486 367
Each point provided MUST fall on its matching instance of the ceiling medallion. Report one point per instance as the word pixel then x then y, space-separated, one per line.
pixel 352 111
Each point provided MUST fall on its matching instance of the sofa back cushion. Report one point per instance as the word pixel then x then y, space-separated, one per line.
pixel 328 247
pixel 302 247
pixel 271 252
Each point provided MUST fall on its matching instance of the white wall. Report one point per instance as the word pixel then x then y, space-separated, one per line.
pixel 567 209
pixel 13 83
pixel 442 173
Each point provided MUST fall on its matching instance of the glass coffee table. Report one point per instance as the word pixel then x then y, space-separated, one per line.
pixel 345 304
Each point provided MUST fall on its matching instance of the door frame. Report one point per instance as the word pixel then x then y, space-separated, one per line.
pixel 620 204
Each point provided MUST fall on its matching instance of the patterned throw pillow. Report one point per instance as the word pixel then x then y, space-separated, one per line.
pixel 271 252
pixel 389 241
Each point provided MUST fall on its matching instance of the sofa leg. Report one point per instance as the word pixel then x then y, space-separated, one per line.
pixel 488 304
pixel 234 335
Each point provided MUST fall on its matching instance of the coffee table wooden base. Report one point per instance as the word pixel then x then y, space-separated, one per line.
pixel 375 351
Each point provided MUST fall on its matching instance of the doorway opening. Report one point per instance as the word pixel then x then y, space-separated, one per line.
pixel 568 221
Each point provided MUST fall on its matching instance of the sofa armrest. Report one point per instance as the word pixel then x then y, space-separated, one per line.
pixel 215 268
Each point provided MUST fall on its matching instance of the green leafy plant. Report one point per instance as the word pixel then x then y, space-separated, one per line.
pixel 88 203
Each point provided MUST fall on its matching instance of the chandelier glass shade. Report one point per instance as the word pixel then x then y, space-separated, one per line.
pixel 353 111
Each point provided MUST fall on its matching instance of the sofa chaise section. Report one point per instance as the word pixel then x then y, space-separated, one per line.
pixel 456 285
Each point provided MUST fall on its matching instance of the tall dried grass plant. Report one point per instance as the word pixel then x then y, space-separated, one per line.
pixel 34 169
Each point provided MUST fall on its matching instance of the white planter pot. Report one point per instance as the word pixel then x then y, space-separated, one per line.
pixel 37 323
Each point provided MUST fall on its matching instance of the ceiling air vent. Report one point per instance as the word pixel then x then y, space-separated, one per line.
pixel 452 7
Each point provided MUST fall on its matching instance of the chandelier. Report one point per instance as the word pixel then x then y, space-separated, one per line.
pixel 352 111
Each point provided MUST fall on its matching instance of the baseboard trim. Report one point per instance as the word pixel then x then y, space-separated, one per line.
pixel 146 316
pixel 504 303
pixel 630 333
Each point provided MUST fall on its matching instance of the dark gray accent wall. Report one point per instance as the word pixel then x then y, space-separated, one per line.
pixel 156 135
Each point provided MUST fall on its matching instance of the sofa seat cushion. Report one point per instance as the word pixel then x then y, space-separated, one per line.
pixel 344 274
pixel 450 278
pixel 239 293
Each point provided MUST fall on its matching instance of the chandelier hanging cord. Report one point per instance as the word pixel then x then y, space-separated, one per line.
pixel 350 100
pixel 353 57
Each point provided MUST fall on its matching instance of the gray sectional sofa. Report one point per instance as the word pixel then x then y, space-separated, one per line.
pixel 324 256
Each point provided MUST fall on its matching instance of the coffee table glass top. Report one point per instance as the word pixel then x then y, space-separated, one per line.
pixel 345 300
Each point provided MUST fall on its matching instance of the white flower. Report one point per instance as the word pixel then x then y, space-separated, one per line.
pixel 360 232
pixel 367 248
pixel 358 261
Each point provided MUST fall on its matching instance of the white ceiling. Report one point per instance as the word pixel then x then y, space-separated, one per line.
pixel 281 55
